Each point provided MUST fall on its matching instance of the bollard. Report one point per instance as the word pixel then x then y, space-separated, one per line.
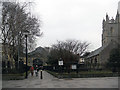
pixel 41 74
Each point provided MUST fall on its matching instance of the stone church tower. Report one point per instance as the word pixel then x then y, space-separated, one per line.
pixel 111 30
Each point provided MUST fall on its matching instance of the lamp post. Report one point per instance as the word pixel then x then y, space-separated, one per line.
pixel 26 35
pixel 18 50
pixel 26 57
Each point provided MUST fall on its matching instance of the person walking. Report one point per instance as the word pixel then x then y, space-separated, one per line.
pixel 36 71
pixel 31 70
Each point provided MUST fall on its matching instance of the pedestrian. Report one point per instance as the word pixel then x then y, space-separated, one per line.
pixel 36 71
pixel 31 70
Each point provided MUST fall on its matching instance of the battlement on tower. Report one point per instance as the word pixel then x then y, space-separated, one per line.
pixel 112 20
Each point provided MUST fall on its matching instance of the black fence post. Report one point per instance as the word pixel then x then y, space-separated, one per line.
pixel 41 74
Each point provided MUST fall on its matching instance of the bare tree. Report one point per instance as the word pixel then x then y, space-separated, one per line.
pixel 74 46
pixel 69 51
pixel 15 21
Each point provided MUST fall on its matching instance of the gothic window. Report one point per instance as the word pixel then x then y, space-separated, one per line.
pixel 95 60
pixel 111 30
pixel 104 42
pixel 111 40
pixel 91 61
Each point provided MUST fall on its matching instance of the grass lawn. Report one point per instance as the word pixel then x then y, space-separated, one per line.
pixel 20 76
pixel 84 74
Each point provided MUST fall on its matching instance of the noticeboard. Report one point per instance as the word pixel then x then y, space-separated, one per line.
pixel 74 67
pixel 60 62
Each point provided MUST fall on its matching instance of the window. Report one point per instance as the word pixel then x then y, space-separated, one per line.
pixel 104 42
pixel 111 30
pixel 95 60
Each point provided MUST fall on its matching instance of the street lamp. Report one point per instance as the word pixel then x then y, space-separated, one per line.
pixel 26 34
pixel 18 49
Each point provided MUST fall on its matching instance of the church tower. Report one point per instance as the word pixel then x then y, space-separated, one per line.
pixel 111 29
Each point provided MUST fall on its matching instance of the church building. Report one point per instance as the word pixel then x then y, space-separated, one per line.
pixel 110 40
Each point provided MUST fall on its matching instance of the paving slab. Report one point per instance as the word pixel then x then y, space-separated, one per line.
pixel 50 81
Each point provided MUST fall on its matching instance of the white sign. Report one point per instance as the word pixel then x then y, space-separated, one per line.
pixel 74 67
pixel 60 62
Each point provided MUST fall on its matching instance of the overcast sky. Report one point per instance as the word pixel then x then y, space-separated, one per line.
pixel 72 19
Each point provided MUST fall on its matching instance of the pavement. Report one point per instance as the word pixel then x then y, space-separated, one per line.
pixel 50 81
pixel 0 81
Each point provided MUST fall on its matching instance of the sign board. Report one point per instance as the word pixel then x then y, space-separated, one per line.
pixel 60 62
pixel 74 67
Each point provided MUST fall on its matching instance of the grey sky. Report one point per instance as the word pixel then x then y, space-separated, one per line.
pixel 73 19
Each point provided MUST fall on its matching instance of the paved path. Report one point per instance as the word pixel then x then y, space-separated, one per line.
pixel 49 81
pixel 0 81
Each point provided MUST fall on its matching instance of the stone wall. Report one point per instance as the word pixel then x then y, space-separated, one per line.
pixel 105 53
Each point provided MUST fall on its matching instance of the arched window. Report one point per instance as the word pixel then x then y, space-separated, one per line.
pixel 95 60
pixel 104 41
pixel 111 30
